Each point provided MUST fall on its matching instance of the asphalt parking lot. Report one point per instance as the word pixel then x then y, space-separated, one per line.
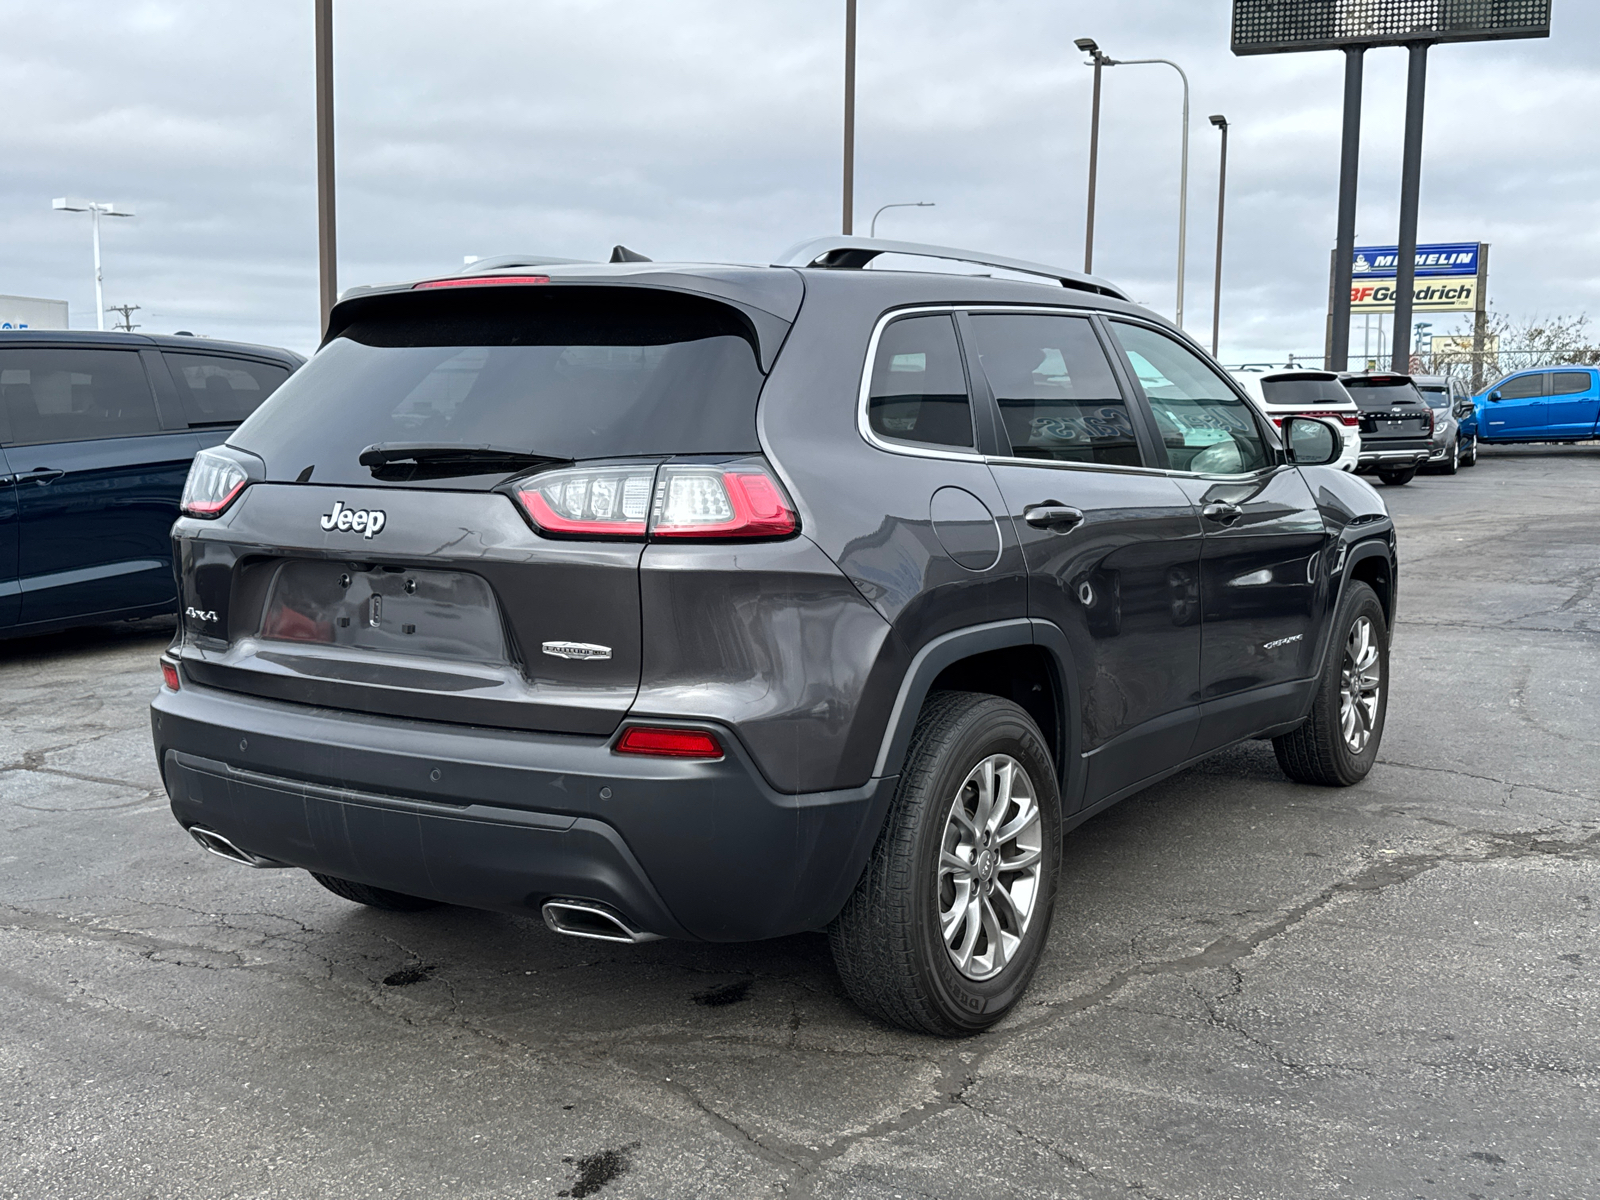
pixel 1253 988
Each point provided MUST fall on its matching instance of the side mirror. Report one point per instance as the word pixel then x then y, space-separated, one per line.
pixel 1495 396
pixel 1464 408
pixel 1311 442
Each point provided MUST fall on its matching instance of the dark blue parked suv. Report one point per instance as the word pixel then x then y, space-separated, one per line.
pixel 97 431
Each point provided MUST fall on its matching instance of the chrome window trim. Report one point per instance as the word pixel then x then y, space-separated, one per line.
pixel 913 449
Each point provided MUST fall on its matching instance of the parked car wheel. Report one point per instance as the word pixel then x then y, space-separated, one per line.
pixel 946 926
pixel 1398 478
pixel 374 897
pixel 1452 462
pixel 1338 743
pixel 1470 458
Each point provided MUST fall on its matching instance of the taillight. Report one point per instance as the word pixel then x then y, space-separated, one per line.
pixel 1343 417
pixel 677 500
pixel 656 742
pixel 478 281
pixel 591 501
pixel 169 674
pixel 739 501
pixel 214 482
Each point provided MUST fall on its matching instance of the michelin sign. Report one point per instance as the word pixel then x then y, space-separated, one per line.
pixel 1446 278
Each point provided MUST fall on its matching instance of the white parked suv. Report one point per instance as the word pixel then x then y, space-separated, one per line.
pixel 1299 391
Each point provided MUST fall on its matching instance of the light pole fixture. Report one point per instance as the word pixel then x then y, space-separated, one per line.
pixel 1092 49
pixel 848 225
pixel 1098 60
pixel 1221 122
pixel 96 210
pixel 873 228
pixel 327 248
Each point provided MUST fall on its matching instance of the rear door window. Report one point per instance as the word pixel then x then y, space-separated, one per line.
pixel 1569 383
pixel 217 390
pixel 1206 426
pixel 918 391
pixel 1058 397
pixel 75 395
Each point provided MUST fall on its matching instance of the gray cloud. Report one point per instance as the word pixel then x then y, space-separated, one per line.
pixel 710 129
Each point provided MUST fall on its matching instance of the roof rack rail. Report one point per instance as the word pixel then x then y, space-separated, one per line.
pixel 843 252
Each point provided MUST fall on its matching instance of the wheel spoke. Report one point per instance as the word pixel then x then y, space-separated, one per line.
pixel 973 916
pixel 1024 820
pixel 949 861
pixel 1023 861
pixel 998 953
pixel 950 922
pixel 1002 898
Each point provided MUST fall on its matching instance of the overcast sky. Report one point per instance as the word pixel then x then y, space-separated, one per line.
pixel 710 130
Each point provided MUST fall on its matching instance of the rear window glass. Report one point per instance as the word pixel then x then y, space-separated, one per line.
pixel 567 372
pixel 60 395
pixel 1304 392
pixel 1385 395
pixel 222 391
pixel 1436 397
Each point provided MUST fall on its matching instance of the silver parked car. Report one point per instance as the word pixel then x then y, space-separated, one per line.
pixel 1449 446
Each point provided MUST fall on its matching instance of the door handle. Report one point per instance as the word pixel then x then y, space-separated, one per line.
pixel 40 475
pixel 1222 512
pixel 1052 515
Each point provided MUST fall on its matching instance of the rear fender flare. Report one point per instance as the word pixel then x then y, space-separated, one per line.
pixel 951 648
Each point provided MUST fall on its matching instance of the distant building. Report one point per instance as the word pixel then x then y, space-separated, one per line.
pixel 30 312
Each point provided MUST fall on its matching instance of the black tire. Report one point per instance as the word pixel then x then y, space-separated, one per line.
pixel 1318 752
pixel 1470 458
pixel 1398 478
pixel 373 897
pixel 886 942
pixel 1452 461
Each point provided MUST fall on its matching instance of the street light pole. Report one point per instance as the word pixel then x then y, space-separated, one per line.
pixel 1221 122
pixel 1088 46
pixel 849 116
pixel 96 210
pixel 327 249
pixel 873 228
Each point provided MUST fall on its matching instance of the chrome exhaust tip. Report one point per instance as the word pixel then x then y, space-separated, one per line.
pixel 589 919
pixel 213 841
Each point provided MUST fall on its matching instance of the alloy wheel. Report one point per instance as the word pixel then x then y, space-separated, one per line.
pixel 1361 685
pixel 990 860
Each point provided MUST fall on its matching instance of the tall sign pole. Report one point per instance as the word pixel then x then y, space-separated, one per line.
pixel 849 116
pixel 1410 190
pixel 1354 26
pixel 1345 237
pixel 327 250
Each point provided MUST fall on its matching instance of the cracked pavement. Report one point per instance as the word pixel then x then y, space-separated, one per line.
pixel 1252 988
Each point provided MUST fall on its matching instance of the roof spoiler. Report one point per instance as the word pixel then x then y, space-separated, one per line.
pixel 853 253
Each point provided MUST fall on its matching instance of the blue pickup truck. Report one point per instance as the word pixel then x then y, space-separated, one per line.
pixel 1547 404
pixel 97 431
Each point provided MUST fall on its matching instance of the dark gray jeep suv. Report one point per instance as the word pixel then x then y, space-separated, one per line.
pixel 726 602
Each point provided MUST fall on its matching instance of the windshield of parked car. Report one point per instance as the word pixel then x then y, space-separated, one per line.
pixel 1382 395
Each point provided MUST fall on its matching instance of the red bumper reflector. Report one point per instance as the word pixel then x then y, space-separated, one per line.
pixel 668 743
pixel 169 674
pixel 478 281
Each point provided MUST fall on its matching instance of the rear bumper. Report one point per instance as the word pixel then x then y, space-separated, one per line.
pixel 1394 458
pixel 506 820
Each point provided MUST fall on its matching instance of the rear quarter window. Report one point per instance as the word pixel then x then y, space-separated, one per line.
pixel 75 395
pixel 218 390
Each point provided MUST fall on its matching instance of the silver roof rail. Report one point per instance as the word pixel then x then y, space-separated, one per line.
pixel 856 252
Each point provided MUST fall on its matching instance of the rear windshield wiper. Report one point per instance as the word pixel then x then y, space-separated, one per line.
pixel 403 461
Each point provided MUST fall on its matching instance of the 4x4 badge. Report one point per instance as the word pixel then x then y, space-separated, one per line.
pixel 368 521
pixel 580 650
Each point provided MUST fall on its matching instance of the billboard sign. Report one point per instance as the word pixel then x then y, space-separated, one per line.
pixel 1278 26
pixel 30 312
pixel 1444 259
pixel 1427 295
